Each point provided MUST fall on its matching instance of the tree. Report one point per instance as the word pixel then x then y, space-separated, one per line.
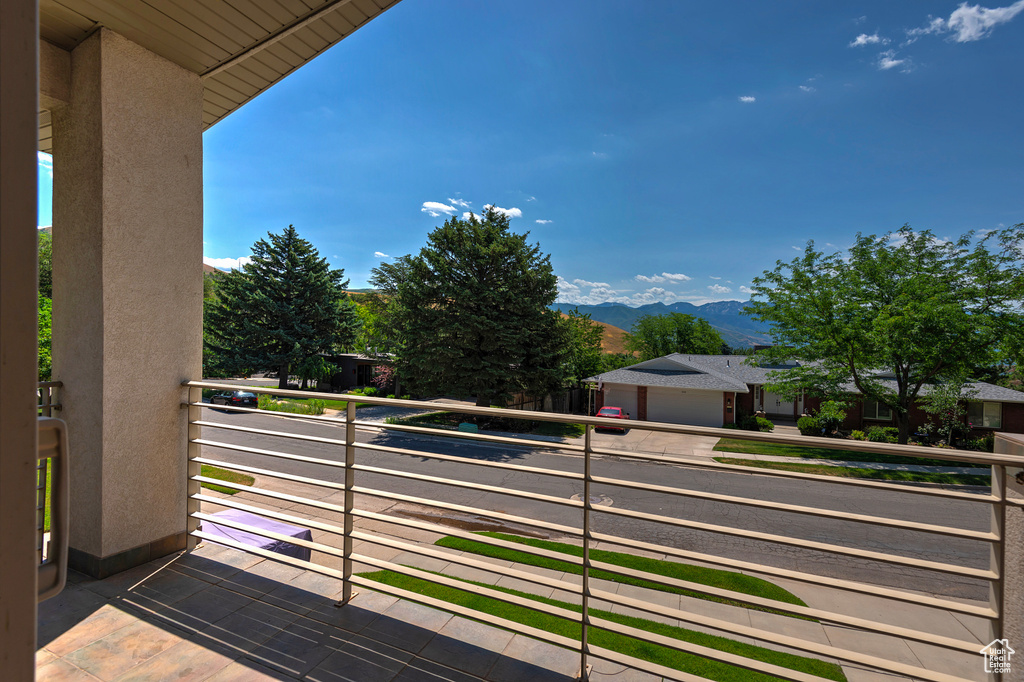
pixel 583 339
pixel 45 332
pixel 653 336
pixel 895 313
pixel 946 402
pixel 281 310
pixel 45 264
pixel 469 314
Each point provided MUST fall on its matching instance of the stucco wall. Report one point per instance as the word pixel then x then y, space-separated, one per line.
pixel 1013 583
pixel 127 312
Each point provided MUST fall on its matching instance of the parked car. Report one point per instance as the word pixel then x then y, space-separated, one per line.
pixel 235 399
pixel 612 413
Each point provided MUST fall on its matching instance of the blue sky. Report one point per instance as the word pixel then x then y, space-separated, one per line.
pixel 659 151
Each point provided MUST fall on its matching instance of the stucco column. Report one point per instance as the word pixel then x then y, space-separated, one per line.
pixel 127 295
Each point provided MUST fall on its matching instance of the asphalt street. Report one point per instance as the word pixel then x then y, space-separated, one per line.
pixel 891 503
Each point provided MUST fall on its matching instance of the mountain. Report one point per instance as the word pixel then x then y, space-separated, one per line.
pixel 737 330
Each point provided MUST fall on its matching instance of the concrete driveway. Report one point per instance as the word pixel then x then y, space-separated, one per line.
pixel 638 440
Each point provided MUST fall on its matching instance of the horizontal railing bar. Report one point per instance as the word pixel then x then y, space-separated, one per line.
pixel 815 648
pixel 473 614
pixel 268 453
pixel 678 675
pixel 276 434
pixel 795 609
pixel 981 574
pixel 602 422
pixel 488 513
pixel 269 472
pixel 513 492
pixel 457 584
pixel 797 509
pixel 468 436
pixel 810 578
pixel 269 513
pixel 725 657
pixel 330 421
pixel 891 486
pixel 50 384
pixel 421 550
pixel 468 535
pixel 266 533
pixel 471 461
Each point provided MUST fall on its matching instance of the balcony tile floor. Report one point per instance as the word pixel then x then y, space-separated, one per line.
pixel 222 615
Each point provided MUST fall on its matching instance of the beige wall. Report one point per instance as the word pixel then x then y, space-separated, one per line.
pixel 18 332
pixel 1013 583
pixel 127 302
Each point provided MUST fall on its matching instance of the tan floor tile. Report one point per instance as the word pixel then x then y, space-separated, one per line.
pixel 106 620
pixel 184 662
pixel 124 649
pixel 60 670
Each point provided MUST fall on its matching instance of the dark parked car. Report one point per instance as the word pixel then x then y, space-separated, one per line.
pixel 235 399
pixel 612 413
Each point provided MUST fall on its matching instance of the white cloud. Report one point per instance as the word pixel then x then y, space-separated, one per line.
pixel 663 277
pixel 599 155
pixel 746 290
pixel 807 88
pixel 747 99
pixel 543 222
pixel 713 277
pixel 510 212
pixel 531 198
pixel 968 23
pixel 227 263
pixel 436 208
pixel 45 163
pixel 461 203
pixel 865 39
pixel 585 283
pixel 719 289
pixel 887 60
pixel 378 254
pixel 468 214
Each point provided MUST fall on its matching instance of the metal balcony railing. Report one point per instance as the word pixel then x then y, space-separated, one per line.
pixel 48 394
pixel 851 554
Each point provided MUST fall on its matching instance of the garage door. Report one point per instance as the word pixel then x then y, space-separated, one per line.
pixel 677 406
pixel 621 396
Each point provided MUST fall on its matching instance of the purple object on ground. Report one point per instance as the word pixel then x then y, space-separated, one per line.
pixel 261 541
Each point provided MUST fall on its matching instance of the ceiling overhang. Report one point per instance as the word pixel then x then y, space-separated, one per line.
pixel 238 47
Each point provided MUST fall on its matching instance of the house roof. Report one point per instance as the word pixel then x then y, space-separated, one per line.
pixel 238 49
pixel 732 373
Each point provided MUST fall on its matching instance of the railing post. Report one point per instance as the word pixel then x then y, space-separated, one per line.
pixel 350 460
pixel 1007 594
pixel 585 610
pixel 195 396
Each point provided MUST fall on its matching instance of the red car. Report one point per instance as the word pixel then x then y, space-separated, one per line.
pixel 612 413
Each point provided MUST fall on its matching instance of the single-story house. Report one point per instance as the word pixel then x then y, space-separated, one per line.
pixel 711 390
pixel 354 369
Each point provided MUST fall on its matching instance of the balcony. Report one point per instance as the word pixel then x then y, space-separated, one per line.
pixel 811 577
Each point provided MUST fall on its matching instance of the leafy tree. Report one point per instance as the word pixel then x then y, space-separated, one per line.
pixel 45 264
pixel 611 361
pixel 653 336
pixel 946 402
pixel 281 310
pixel 583 338
pixel 45 333
pixel 469 314
pixel 893 314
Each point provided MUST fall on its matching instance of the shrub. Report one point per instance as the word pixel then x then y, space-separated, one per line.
pixel 406 397
pixel 391 395
pixel 765 424
pixel 883 434
pixel 808 426
pixel 830 416
pixel 265 402
pixel 731 426
pixel 370 391
pixel 858 435
pixel 748 423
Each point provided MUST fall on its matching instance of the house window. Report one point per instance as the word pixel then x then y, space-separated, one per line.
pixel 876 410
pixel 985 415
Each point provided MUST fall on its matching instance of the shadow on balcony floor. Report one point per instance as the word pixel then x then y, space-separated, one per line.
pixel 221 615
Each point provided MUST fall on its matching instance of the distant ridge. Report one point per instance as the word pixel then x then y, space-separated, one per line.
pixel 739 331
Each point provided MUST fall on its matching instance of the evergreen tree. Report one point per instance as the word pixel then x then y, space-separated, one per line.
pixel 469 315
pixel 282 310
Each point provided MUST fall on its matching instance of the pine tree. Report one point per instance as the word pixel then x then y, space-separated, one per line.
pixel 470 314
pixel 282 310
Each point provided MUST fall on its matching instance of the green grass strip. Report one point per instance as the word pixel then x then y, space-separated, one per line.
pixel 856 472
pixel 696 665
pixel 749 447
pixel 713 577
pixel 451 421
pixel 225 475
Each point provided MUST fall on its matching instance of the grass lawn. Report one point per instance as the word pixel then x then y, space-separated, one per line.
pixel 225 475
pixel 713 577
pixel 749 447
pixel 856 472
pixel 712 670
pixel 451 421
